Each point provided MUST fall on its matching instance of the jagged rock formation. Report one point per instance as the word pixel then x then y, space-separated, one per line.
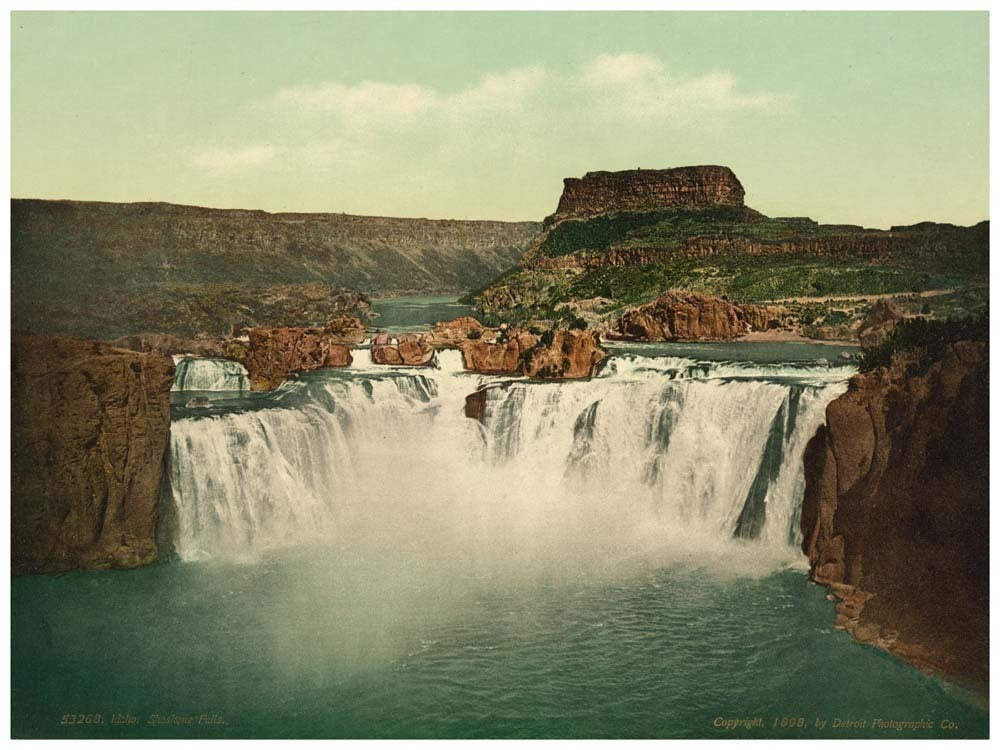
pixel 113 269
pixel 558 354
pixel 413 350
pixel 90 429
pixel 567 355
pixel 643 189
pixel 895 518
pixel 501 357
pixel 275 354
pixel 690 316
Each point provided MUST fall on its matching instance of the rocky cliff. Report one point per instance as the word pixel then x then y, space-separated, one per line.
pixel 114 269
pixel 895 518
pixel 690 316
pixel 644 189
pixel 274 354
pixel 551 355
pixel 90 429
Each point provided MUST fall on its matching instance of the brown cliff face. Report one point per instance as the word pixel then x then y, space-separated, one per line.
pixel 570 355
pixel 275 354
pixel 90 430
pixel 644 189
pixel 691 316
pixel 497 358
pixel 869 246
pixel 895 516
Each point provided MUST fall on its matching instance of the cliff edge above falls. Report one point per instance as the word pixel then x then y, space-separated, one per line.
pixel 90 425
pixel 645 189
pixel 895 517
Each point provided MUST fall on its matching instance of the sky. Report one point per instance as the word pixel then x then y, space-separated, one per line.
pixel 862 118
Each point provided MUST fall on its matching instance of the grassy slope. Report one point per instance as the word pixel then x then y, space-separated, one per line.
pixel 935 257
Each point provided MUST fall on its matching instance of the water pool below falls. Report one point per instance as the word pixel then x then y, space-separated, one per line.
pixel 353 557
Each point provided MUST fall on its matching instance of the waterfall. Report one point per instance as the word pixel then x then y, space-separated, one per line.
pixel 654 449
pixel 196 374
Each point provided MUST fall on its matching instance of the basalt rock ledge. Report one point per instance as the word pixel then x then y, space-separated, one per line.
pixel 90 429
pixel 895 517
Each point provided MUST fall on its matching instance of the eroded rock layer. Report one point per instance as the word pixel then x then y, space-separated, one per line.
pixel 680 315
pixel 642 189
pixel 895 518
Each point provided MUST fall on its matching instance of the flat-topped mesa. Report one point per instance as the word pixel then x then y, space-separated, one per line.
pixel 646 189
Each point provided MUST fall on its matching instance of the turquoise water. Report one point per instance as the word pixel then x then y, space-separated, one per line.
pixel 417 313
pixel 313 646
pixel 350 562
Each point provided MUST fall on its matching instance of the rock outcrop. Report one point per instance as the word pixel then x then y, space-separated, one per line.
pixel 877 324
pixel 412 350
pixel 349 331
pixel 644 189
pixel 501 357
pixel 275 354
pixel 895 518
pixel 567 355
pixel 691 316
pixel 451 333
pixel 558 354
pixel 90 428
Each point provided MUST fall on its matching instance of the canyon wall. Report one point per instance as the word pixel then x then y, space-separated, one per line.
pixel 90 428
pixel 105 270
pixel 644 189
pixel 895 518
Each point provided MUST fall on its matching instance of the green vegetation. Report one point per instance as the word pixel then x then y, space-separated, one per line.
pixel 670 228
pixel 927 338
pixel 813 261
pixel 739 278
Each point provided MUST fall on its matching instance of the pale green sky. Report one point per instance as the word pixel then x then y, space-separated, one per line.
pixel 870 118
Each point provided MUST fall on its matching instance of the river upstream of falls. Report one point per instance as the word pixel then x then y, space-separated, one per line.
pixel 351 556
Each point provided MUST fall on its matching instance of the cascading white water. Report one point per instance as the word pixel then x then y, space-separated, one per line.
pixel 655 450
pixel 197 374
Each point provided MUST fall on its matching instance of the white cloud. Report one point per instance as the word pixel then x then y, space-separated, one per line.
pixel 372 104
pixel 639 87
pixel 225 160
pixel 334 125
